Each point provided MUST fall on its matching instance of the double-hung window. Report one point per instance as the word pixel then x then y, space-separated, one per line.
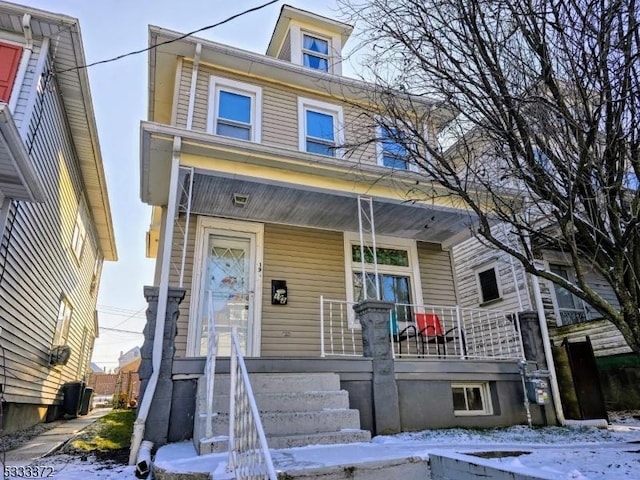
pixel 569 308
pixel 315 52
pixel 235 109
pixel 320 127
pixel 62 323
pixel 79 236
pixel 396 261
pixel 391 152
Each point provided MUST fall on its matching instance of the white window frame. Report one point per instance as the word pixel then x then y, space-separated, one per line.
pixel 79 235
pixel 412 271
pixel 335 111
pixel 554 299
pixel 380 152
pixel 97 271
pixel 254 92
pixel 304 51
pixel 63 322
pixel 496 272
pixel 485 396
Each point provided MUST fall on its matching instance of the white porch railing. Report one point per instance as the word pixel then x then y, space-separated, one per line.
pixel 426 331
pixel 249 455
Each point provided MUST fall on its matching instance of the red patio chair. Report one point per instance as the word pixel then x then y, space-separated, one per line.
pixel 430 332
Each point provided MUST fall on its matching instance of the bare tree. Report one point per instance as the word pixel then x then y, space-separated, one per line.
pixel 547 130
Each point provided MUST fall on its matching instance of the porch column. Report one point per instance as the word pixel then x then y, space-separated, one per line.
pixel 157 425
pixel 374 318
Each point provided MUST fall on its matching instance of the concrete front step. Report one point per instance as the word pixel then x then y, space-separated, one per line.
pixel 287 401
pixel 287 423
pixel 221 443
pixel 282 382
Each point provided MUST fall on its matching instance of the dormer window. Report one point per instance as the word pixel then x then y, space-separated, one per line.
pixel 315 52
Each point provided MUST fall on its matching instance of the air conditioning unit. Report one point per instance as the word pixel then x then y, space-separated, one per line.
pixel 59 355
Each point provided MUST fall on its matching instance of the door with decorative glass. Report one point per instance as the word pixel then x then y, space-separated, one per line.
pixel 227 290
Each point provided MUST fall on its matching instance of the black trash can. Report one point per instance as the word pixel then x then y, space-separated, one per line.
pixel 72 397
pixel 85 404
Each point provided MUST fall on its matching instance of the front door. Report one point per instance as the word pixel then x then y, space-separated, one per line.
pixel 227 290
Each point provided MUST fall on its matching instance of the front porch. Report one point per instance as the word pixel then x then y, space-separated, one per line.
pixel 415 391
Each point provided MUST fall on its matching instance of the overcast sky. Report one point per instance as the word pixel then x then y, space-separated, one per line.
pixel 119 91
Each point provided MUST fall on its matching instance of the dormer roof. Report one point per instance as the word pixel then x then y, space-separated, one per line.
pixel 310 21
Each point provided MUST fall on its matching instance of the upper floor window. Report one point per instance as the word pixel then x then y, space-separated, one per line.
pixel 315 52
pixel 79 237
pixel 391 152
pixel 320 127
pixel 569 308
pixel 63 322
pixel 488 285
pixel 97 270
pixel 235 109
pixel 9 62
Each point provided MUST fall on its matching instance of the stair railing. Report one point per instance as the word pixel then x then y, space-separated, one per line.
pixel 210 366
pixel 249 455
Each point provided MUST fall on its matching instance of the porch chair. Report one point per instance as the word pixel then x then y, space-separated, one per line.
pixel 405 335
pixel 430 332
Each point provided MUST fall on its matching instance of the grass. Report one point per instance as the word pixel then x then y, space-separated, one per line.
pixel 109 436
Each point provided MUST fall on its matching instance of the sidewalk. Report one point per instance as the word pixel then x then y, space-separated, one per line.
pixel 53 439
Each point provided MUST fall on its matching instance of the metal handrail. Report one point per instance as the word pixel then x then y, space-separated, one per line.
pixel 249 455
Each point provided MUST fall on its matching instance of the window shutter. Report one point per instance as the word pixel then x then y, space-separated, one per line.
pixel 9 62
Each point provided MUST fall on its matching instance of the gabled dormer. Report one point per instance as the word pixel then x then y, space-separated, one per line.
pixel 310 40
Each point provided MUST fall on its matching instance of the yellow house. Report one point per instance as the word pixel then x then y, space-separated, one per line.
pixel 269 200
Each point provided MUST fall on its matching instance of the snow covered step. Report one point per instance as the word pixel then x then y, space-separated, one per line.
pixel 282 382
pixel 287 401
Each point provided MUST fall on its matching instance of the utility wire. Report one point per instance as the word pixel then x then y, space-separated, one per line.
pixel 143 50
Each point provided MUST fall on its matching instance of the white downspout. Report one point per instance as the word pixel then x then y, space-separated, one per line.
pixel 163 295
pixel 546 342
pixel 24 62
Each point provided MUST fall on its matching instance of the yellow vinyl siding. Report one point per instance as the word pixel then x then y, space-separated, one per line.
pixel 435 275
pixel 279 111
pixel 312 263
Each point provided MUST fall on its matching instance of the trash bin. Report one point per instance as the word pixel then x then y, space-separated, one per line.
pixel 85 404
pixel 72 397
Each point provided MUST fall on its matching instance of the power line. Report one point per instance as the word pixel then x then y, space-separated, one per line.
pixel 120 330
pixel 143 50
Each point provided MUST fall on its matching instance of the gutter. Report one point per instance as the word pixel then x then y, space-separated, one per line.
pixel 161 313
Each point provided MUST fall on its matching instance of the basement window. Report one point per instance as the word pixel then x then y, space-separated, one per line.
pixel 471 399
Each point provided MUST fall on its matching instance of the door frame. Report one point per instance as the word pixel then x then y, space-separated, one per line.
pixel 229 227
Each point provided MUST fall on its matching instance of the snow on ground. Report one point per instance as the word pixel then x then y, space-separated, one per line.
pixel 559 453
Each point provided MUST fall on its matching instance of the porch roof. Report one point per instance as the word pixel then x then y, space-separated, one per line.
pixel 296 188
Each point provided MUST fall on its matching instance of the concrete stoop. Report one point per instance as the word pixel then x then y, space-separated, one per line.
pixel 296 410
pixel 409 468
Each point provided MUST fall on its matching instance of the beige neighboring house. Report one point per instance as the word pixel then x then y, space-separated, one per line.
pixel 55 218
pixel 256 224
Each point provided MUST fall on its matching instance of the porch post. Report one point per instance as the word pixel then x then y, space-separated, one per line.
pixel 374 318
pixel 157 427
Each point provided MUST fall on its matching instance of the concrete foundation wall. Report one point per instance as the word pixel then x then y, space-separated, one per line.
pixel 18 416
pixel 424 390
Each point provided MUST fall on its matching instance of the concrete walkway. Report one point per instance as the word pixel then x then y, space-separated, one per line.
pixel 53 439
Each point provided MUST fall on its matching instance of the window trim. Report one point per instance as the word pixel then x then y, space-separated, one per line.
pixel 65 313
pixel 335 111
pixel 304 51
pixel 380 151
pixel 496 273
pixel 79 234
pixel 554 298
pixel 485 396
pixel 412 271
pixel 254 92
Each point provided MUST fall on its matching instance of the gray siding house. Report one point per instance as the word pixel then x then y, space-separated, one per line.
pixel 55 219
